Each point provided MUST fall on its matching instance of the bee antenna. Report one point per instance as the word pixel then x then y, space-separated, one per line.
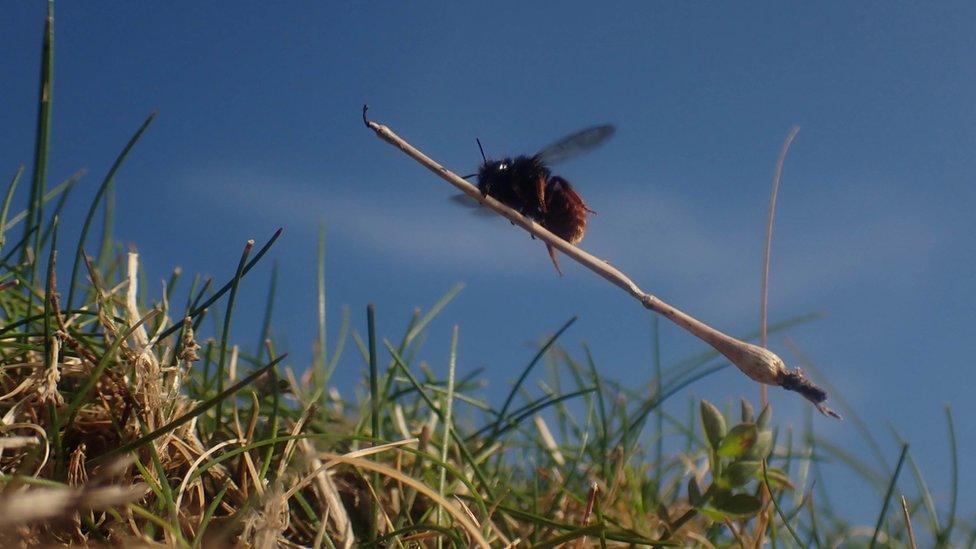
pixel 482 149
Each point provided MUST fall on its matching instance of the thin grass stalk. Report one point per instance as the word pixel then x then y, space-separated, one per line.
pixel 322 351
pixel 58 208
pixel 6 203
pixel 525 373
pixel 49 358
pixel 35 211
pixel 779 511
pixel 199 308
pixel 945 536
pixel 887 498
pixel 225 332
pixel 658 411
pixel 768 251
pixel 374 399
pixel 268 310
pixel 926 495
pixel 80 251
pixel 908 523
pixel 339 348
pixel 108 223
pixel 55 192
pixel 448 406
pixel 465 452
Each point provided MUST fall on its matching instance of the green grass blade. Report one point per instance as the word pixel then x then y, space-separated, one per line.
pixel 928 502
pixel 339 348
pixel 448 407
pixel 419 527
pixel 517 416
pixel 6 203
pixel 465 453
pixel 887 498
pixel 268 310
pixel 635 422
pixel 56 192
pixel 79 252
pixel 374 375
pixel 421 325
pixel 43 135
pixel 945 536
pixel 658 412
pixel 322 352
pixel 556 541
pixel 58 208
pixel 374 400
pixel 775 501
pixel 108 223
pixel 199 308
pixel 225 332
pixel 525 373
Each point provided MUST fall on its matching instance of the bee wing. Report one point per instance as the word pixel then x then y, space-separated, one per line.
pixel 466 201
pixel 576 144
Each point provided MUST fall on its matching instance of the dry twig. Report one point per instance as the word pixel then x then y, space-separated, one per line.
pixel 757 363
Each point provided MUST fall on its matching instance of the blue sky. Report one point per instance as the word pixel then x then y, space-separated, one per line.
pixel 259 127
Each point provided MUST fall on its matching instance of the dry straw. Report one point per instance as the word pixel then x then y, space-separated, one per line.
pixel 756 362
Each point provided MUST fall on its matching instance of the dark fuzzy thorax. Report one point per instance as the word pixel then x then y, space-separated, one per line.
pixel 526 184
pixel 518 182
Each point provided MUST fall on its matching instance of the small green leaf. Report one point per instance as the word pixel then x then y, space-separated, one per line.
pixel 713 424
pixel 736 505
pixel 764 444
pixel 741 472
pixel 713 514
pixel 662 513
pixel 739 440
pixel 778 479
pixel 694 492
pixel 748 412
pixel 764 416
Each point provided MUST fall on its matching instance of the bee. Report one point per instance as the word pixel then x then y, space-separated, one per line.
pixel 527 185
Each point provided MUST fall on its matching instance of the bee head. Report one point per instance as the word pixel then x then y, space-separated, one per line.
pixel 493 170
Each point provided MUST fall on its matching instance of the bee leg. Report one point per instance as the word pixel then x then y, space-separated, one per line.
pixel 524 211
pixel 540 191
pixel 555 260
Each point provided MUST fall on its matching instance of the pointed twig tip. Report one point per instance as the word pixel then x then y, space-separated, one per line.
pixel 796 381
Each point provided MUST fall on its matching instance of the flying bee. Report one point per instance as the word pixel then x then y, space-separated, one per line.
pixel 527 185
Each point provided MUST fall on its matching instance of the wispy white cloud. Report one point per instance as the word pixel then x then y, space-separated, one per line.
pixel 651 234
pixel 436 235
pixel 677 240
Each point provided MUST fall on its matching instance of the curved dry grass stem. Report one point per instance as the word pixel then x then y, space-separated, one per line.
pixel 764 294
pixel 756 362
pixel 768 249
pixel 473 529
